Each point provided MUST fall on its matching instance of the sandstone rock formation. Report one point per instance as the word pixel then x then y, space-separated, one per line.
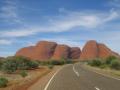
pixel 90 50
pixel 93 50
pixel 61 51
pixel 45 50
pixel 42 51
pixel 104 51
pixel 26 52
pixel 75 53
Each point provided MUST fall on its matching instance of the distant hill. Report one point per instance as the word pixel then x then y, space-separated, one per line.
pixel 45 50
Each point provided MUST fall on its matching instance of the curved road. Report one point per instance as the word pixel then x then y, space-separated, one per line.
pixel 76 77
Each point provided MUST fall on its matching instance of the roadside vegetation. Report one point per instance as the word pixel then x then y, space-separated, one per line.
pixel 3 82
pixel 51 63
pixel 13 64
pixel 21 67
pixel 110 62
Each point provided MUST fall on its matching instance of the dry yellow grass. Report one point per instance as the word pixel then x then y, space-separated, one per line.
pixel 16 82
pixel 108 71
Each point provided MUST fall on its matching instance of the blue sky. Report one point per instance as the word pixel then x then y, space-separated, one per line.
pixel 72 22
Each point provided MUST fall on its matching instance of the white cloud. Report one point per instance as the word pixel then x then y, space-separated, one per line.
pixel 18 33
pixel 5 42
pixel 9 12
pixel 112 16
pixel 66 23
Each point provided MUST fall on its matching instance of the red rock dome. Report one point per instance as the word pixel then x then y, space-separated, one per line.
pixel 26 52
pixel 75 53
pixel 61 51
pixel 90 50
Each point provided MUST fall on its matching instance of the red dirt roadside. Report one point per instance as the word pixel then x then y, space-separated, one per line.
pixel 41 83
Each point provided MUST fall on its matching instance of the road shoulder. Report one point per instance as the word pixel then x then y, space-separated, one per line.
pixel 103 72
pixel 41 83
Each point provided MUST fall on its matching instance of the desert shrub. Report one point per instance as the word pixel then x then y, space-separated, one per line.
pixel 69 62
pixel 18 63
pixel 115 65
pixel 25 63
pixel 23 73
pixel 95 62
pixel 110 59
pixel 33 64
pixel 53 62
pixel 9 66
pixel 44 62
pixel 3 82
pixel 1 63
pixel 50 66
pixel 60 62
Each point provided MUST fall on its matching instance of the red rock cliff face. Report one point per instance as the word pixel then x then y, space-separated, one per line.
pixel 26 52
pixel 75 53
pixel 104 51
pixel 61 51
pixel 93 50
pixel 42 51
pixel 90 50
pixel 46 50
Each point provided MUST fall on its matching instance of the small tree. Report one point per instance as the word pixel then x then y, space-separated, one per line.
pixel 110 59
pixel 33 64
pixel 115 65
pixel 3 82
pixel 95 63
pixel 9 66
pixel 18 63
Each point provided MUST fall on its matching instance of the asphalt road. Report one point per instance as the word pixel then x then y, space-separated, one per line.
pixel 76 77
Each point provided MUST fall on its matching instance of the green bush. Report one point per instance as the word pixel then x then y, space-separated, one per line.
pixel 69 62
pixel 95 63
pixel 1 63
pixel 50 66
pixel 115 65
pixel 23 73
pixel 110 59
pixel 55 62
pixel 18 63
pixel 33 64
pixel 9 66
pixel 3 82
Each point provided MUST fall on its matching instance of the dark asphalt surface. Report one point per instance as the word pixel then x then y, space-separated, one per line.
pixel 76 77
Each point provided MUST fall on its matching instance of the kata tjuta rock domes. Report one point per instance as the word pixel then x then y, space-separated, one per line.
pixel 45 50
pixel 27 52
pixel 90 50
pixel 93 50
pixel 61 51
pixel 75 53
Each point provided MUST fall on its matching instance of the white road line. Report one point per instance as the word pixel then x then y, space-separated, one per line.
pixel 97 88
pixel 46 87
pixel 75 71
